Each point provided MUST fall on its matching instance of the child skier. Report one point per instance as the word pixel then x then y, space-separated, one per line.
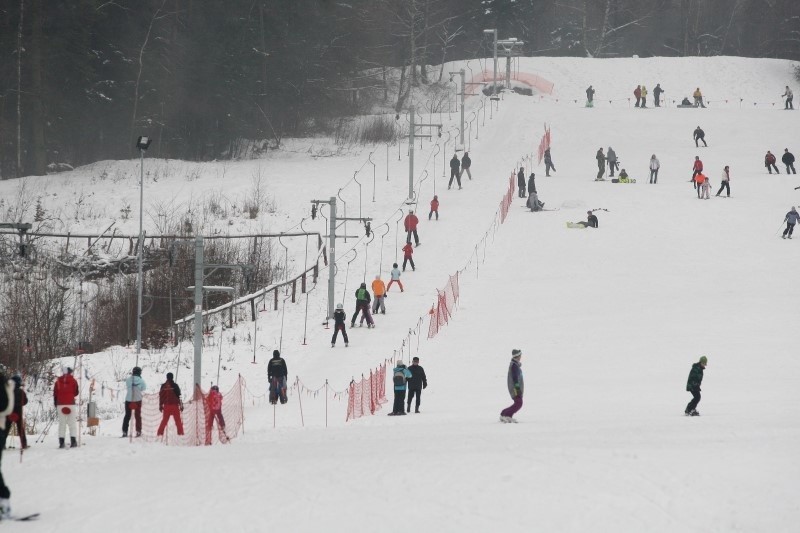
pixel 705 186
pixel 434 207
pixel 379 290
pixel 700 180
pixel 693 386
pixel 408 251
pixel 516 386
pixel 400 376
pixel 214 402
pixel 395 275
pixel 339 319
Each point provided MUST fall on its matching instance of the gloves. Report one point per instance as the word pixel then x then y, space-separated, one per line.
pixel 424 385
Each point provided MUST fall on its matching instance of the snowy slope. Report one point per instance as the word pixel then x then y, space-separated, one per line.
pixel 609 322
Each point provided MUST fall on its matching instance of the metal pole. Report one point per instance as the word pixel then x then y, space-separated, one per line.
pixel 332 257
pixel 139 258
pixel 508 71
pixel 198 309
pixel 494 80
pixel 411 132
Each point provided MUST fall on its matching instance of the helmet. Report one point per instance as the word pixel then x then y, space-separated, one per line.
pixel 339 306
pixel 214 387
pixel 136 371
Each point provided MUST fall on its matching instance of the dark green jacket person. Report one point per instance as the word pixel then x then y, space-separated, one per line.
pixel 693 385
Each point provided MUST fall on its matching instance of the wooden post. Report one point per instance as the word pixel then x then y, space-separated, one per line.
pixel 294 289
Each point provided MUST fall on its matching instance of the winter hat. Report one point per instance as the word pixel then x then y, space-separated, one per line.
pixel 276 353
pixel 339 306
pixel 400 364
pixel 136 371
pixel 363 285
pixel 704 360
pixel 516 354
pixel 170 377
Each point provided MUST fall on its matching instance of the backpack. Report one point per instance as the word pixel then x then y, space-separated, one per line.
pixel 361 294
pixel 399 377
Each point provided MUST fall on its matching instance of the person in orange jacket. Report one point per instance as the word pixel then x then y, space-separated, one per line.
pixel 434 207
pixel 64 392
pixel 408 251
pixel 700 179
pixel 214 402
pixel 410 224
pixel 170 404
pixel 379 291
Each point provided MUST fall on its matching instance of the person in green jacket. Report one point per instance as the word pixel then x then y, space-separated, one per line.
pixel 693 385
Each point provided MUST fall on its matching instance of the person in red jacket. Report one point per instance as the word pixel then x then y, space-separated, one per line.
pixel 410 224
pixel 637 92
pixel 170 404
pixel 408 251
pixel 697 168
pixel 769 162
pixel 64 392
pixel 214 402
pixel 434 207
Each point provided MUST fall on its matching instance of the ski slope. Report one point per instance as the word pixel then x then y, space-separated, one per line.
pixel 609 322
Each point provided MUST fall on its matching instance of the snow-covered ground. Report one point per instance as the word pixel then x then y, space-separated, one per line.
pixel 609 321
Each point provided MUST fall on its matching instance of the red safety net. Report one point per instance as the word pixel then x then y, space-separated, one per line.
pixel 368 395
pixel 446 301
pixel 508 197
pixel 198 426
pixel 544 144
pixel 540 84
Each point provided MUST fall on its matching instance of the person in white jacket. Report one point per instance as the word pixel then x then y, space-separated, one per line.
pixel 654 166
pixel 726 178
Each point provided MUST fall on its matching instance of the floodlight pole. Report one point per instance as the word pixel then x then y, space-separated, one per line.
pixel 463 90
pixel 139 257
pixel 412 133
pixel 494 79
pixel 198 309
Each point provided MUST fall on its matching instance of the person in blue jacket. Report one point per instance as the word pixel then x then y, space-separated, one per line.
pixel 400 376
pixel 134 387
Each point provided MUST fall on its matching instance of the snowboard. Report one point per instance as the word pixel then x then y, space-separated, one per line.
pixel 575 225
pixel 629 180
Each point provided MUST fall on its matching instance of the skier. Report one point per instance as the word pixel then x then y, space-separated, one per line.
pixel 693 386
pixel 697 168
pixel 657 94
pixel 214 403
pixel 363 301
pixel 434 207
pixel 637 92
pixel 395 278
pixel 655 164
pixel 416 383
pixel 601 165
pixel 548 163
pixel 134 387
pixel 788 159
pixel 521 182
pixel 790 219
pixel 726 179
pixel 516 387
pixel 698 98
pixel 64 392
pixel 379 290
pixel 699 135
pixel 590 97
pixel 17 418
pixel 454 172
pixel 789 97
pixel 277 373
pixel 410 225
pixel 769 162
pixel 705 186
pixel 6 407
pixel 700 180
pixel 170 405
pixel 400 376
pixel 644 97
pixel 408 251
pixel 466 162
pixel 613 164
pixel 339 319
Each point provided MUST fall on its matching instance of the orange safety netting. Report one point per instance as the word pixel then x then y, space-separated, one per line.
pixel 198 426
pixel 446 301
pixel 487 76
pixel 508 197
pixel 367 396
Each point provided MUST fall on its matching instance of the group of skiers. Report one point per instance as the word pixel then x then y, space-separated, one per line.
pixel 787 159
pixel 640 93
pixel 457 169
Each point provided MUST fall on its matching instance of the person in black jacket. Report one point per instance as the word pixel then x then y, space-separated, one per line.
pixel 339 319
pixel 16 417
pixel 657 94
pixel 548 163
pixel 466 162
pixel 693 385
pixel 276 374
pixel 590 97
pixel 521 182
pixel 454 172
pixel 416 383
pixel 699 135
pixel 532 183
pixel 363 301
pixel 788 160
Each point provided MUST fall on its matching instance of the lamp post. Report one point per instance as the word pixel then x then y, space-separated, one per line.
pixel 494 47
pixel 463 91
pixel 142 143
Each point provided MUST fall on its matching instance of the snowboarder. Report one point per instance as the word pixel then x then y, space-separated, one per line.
pixel 516 387
pixel 697 168
pixel 644 97
pixel 693 385
pixel 466 162
pixel 17 418
pixel 170 405
pixel 601 165
pixel 395 278
pixel 400 377
pixel 521 182
pixel 410 225
pixel 789 97
pixel 613 164
pixel 590 97
pixel 134 387
pixel 623 177
pixel 339 319
pixel 277 373
pixel 408 251
pixel 64 392
pixel 700 180
pixel 6 407
pixel 637 92
pixel 769 162
pixel 416 383
pixel 379 290
pixel 591 221
pixel 655 164
pixel 790 219
pixel 434 207
pixel 699 135
pixel 657 94
pixel 726 179
pixel 788 159
pixel 454 171
pixel 363 300
pixel 548 163
pixel 214 403
pixel 698 98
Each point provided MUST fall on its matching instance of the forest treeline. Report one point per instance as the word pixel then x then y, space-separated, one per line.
pixel 81 79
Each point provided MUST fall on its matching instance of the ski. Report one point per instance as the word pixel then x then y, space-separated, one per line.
pixel 26 518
